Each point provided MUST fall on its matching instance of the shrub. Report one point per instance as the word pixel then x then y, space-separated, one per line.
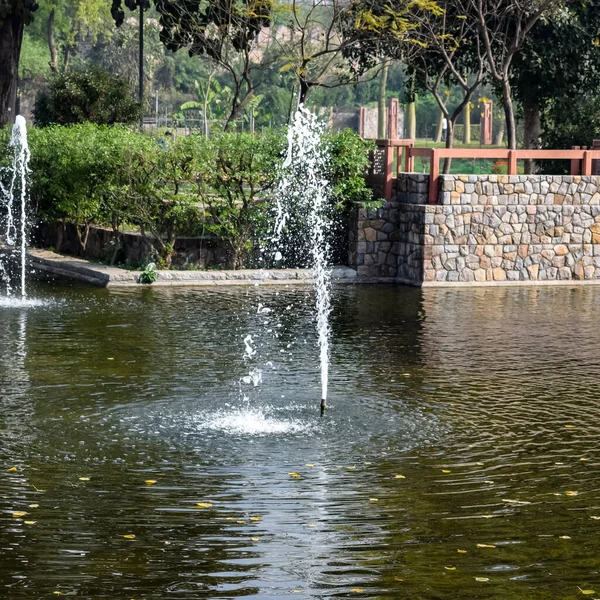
pixel 92 95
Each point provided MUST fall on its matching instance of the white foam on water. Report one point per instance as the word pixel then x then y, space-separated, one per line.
pixel 251 422
pixel 16 302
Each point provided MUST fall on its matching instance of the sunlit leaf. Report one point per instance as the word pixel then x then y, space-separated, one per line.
pixel 374 499
pixel 294 474
pixel 450 568
pixel 571 493
pixel 351 468
pixel 446 471
pixel 356 590
pixel 309 465
pixel 84 479
pixel 111 358
pixel 569 426
pixel 230 518
pixel 18 514
pixel 586 592
pixel 129 536
pixel 34 506
pixel 203 505
pixel 595 518
pixel 150 481
pixel 241 522
pixel 398 578
pixel 30 522
pixel 564 537
pixel 482 578
pixel 310 525
pixel 400 477
pixel 485 546
pixel 13 470
pixel 255 539
pixel 583 458
pixel 462 551
pixel 488 481
pixel 257 518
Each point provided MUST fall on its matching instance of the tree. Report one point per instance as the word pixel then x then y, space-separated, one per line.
pixel 14 15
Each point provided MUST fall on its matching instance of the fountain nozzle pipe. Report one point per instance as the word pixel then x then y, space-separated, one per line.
pixel 323 406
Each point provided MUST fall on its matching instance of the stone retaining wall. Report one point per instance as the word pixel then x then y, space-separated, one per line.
pixel 486 229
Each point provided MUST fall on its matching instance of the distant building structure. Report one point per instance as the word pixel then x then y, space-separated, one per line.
pixel 394 121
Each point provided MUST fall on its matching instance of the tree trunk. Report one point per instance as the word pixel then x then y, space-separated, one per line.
pixel 467 125
pixel 449 144
pixel 11 38
pixel 532 128
pixel 438 131
pixel 499 137
pixel 411 120
pixel 381 106
pixel 304 89
pixel 509 113
pixel 52 43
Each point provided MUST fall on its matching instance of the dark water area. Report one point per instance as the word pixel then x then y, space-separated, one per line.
pixel 459 457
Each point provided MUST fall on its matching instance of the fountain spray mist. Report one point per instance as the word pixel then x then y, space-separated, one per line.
pixel 302 203
pixel 13 201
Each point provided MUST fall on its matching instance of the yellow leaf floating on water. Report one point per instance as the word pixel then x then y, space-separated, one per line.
pixel 583 458
pixel 309 465
pixel 571 493
pixel 84 479
pixel 255 539
pixel 479 464
pixel 257 518
pixel 482 578
pixel 398 578
pixel 241 522
pixel 367 463
pixel 310 525
pixel 203 505
pixel 595 518
pixel 485 546
pixel 564 537
pixel 400 477
pixel 18 514
pixel 374 499
pixel 462 551
pixel 150 481
pixel 294 474
pixel 569 426
pixel 488 481
pixel 586 592
pixel 34 506
pixel 230 518
pixel 356 590
pixel 351 468
pixel 111 358
pixel 30 522
pixel 13 470
pixel 446 471
pixel 450 568
pixel 129 536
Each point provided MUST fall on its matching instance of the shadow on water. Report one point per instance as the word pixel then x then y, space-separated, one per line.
pixel 457 458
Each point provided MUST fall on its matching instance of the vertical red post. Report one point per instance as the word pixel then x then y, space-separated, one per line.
pixel 512 162
pixel 575 163
pixel 409 159
pixel 389 171
pixel 587 163
pixel 434 176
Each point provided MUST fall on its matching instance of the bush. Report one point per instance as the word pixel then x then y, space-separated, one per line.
pixel 90 95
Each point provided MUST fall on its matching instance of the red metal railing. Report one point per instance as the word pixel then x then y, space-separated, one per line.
pixel 581 160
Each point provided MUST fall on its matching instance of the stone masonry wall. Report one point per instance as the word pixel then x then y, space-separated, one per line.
pixel 486 229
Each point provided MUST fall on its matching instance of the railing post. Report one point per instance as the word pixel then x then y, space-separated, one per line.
pixel 434 176
pixel 575 163
pixel 389 170
pixel 512 162
pixel 409 159
pixel 587 163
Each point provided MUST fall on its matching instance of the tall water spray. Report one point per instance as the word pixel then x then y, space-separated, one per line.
pixel 13 209
pixel 301 219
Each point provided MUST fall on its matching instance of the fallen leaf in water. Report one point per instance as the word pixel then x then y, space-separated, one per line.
pixel 446 471
pixel 255 539
pixel 309 465
pixel 294 474
pixel 84 479
pixel 482 578
pixel 111 358
pixel 150 481
pixel 595 518
pixel 310 525
pixel 586 592
pixel 257 518
pixel 374 499
pixel 571 493
pixel 230 518
pixel 203 505
pixel 479 464
pixel 462 551
pixel 297 591
pixel 450 568
pixel 129 536
pixel 488 481
pixel 241 522
pixel 30 522
pixel 582 458
pixel 485 546
pixel 559 463
pixel 356 590
pixel 564 537
pixel 351 468
pixel 34 506
pixel 18 514
pixel 13 470
pixel 398 578
pixel 569 426
pixel 400 477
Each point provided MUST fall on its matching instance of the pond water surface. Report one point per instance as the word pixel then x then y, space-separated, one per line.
pixel 459 457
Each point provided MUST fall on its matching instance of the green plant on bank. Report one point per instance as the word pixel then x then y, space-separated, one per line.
pixel 149 275
pixel 90 95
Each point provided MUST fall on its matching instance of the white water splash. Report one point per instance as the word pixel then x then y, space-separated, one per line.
pixel 13 205
pixel 302 201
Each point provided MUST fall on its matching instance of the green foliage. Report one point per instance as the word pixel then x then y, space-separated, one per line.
pixel 89 95
pixel 149 275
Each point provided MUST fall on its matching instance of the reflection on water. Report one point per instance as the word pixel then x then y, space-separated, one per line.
pixel 459 458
